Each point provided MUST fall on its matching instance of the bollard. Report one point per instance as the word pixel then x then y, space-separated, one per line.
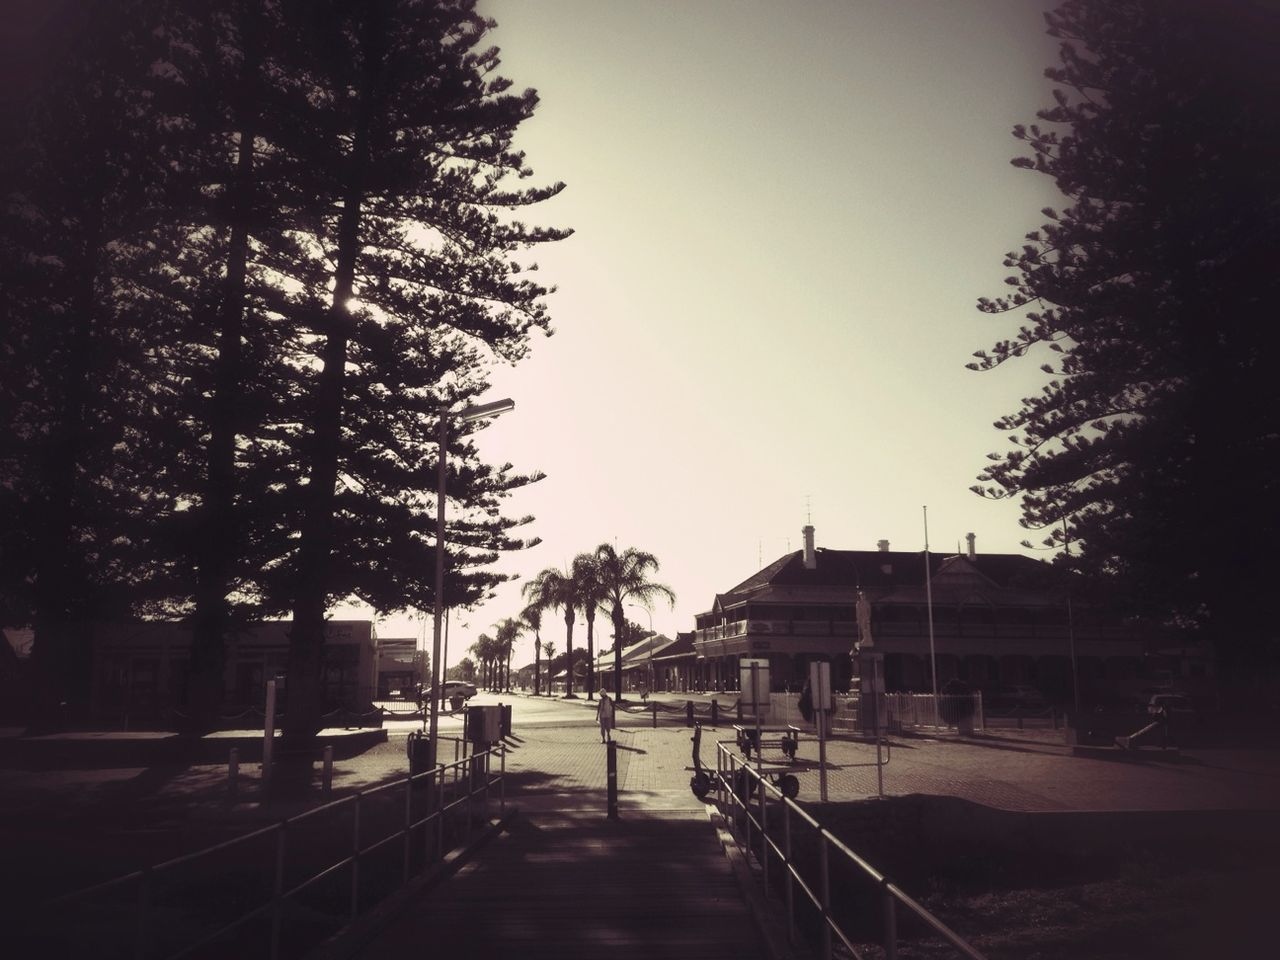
pixel 653 709
pixel 739 709
pixel 327 780
pixel 233 774
pixel 715 712
pixel 612 778
pixel 688 712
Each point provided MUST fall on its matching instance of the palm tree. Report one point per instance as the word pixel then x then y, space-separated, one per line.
pixel 508 631
pixel 486 651
pixel 549 649
pixel 586 571
pixel 532 617
pixel 556 588
pixel 625 576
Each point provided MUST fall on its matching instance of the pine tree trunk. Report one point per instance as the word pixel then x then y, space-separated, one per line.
pixel 62 672
pixel 306 641
pixel 220 537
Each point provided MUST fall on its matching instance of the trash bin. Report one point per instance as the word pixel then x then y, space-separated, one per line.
pixel 483 726
pixel 418 747
pixel 505 725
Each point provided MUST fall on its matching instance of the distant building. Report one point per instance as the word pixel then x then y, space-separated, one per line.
pixel 400 665
pixel 997 619
pixel 638 663
pixel 141 670
pixel 675 668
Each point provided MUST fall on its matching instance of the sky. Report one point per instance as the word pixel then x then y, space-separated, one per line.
pixel 784 213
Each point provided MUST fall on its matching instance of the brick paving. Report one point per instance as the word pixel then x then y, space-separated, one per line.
pixel 133 815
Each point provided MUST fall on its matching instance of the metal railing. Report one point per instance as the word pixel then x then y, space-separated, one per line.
pixel 464 783
pixel 914 710
pixel 736 786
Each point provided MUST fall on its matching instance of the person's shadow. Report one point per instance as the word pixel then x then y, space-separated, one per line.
pixel 622 746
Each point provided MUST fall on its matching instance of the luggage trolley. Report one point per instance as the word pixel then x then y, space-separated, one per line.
pixel 786 739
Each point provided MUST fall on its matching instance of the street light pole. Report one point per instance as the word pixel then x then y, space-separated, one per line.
pixel 465 415
pixel 649 614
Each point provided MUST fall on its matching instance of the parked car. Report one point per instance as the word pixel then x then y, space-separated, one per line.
pixel 458 688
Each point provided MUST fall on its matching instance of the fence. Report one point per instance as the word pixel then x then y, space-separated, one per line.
pixel 298 856
pixel 774 847
pixel 912 711
pixel 899 712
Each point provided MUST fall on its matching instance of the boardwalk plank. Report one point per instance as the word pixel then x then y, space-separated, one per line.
pixel 577 887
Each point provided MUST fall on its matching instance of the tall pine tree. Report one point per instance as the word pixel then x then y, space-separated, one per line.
pixel 412 281
pixel 1149 297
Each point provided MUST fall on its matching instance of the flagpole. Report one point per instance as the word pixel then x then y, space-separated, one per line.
pixel 928 588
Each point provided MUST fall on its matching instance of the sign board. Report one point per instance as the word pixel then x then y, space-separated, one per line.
pixel 760 694
pixel 820 684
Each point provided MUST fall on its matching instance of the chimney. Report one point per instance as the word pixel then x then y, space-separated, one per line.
pixel 883 545
pixel 973 552
pixel 810 558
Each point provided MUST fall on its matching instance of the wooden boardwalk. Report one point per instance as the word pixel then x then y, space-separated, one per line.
pixel 651 886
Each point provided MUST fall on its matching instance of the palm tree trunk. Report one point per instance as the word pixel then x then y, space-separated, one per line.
pixel 568 652
pixel 619 621
pixel 591 656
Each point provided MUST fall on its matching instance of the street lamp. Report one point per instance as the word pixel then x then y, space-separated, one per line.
pixel 649 614
pixel 466 415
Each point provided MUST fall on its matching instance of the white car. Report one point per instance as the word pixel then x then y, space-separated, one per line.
pixel 458 688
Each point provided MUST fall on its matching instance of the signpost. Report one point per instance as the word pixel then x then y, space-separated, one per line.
pixel 820 692
pixel 753 680
pixel 268 732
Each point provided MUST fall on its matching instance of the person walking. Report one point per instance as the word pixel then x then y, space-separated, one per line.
pixel 604 715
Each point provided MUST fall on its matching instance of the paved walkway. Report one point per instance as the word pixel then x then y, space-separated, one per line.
pixel 567 882
pixel 649 886
pixel 70 828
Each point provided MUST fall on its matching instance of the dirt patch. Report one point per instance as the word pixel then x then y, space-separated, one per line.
pixel 1109 886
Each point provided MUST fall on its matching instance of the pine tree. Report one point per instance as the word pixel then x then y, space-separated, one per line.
pixel 411 281
pixel 77 366
pixel 1149 449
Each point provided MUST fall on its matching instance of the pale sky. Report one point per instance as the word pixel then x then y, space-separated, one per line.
pixel 784 214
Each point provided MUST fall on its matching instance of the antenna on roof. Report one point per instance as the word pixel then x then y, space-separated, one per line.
pixel 808 509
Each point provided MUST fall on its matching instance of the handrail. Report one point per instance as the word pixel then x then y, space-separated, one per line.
pixel 728 769
pixel 472 787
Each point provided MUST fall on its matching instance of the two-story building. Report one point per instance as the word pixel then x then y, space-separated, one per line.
pixel 996 619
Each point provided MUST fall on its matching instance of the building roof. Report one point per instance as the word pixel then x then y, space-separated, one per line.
pixel 682 646
pixel 652 645
pixel 888 575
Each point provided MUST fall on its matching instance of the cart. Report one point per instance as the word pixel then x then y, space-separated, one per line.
pixel 743 785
